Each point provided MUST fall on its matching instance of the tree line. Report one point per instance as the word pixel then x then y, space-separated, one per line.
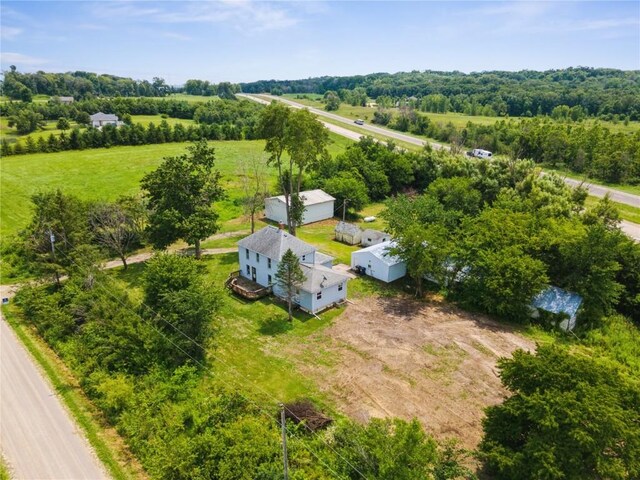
pixel 598 91
pixel 86 85
pixel 592 149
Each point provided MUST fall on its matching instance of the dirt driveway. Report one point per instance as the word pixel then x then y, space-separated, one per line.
pixel 399 357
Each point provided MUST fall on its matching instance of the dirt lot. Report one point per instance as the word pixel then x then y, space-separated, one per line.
pixel 399 357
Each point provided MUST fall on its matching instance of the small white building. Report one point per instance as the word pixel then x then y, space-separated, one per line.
pixel 99 120
pixel 377 262
pixel 318 206
pixel 65 100
pixel 348 233
pixel 260 253
pixel 374 237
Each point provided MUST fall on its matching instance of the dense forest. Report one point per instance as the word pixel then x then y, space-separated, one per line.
pixel 598 91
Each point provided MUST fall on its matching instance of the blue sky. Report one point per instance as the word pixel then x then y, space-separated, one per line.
pixel 251 40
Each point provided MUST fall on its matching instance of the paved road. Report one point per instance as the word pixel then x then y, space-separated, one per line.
pixel 595 190
pixel 631 229
pixel 38 438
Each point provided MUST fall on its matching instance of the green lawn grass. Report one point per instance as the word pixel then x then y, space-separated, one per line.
pixel 11 135
pixel 192 98
pixel 4 470
pixel 34 99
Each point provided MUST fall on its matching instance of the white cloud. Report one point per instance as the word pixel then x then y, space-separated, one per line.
pixel 10 58
pixel 245 15
pixel 9 33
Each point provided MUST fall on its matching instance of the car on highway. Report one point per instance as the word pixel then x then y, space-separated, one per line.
pixel 359 121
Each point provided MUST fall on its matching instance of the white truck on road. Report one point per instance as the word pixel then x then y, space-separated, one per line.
pixel 480 153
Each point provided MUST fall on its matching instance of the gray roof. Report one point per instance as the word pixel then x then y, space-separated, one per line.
pixel 381 251
pixel 322 258
pixel 104 117
pixel 273 243
pixel 348 228
pixel 369 233
pixel 556 300
pixel 319 277
pixel 309 197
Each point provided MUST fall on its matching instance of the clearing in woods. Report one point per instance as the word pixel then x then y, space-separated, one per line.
pixel 395 356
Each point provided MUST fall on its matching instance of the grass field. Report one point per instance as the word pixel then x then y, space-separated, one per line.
pixel 156 119
pixel 191 98
pixel 104 174
pixel 11 135
pixel 35 99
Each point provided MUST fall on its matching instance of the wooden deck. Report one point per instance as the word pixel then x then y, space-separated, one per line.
pixel 246 288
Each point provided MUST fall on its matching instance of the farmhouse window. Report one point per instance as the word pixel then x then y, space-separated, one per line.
pixel 303 257
pixel 248 270
pixel 318 295
pixel 246 253
pixel 269 279
pixel 340 287
pixel 257 257
pixel 268 263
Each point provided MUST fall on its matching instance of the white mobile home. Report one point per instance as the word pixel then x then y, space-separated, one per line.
pixel 318 206
pixel 377 262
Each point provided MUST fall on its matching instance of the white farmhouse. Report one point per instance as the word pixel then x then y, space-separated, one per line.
pixel 377 262
pixel 259 256
pixel 99 120
pixel 318 206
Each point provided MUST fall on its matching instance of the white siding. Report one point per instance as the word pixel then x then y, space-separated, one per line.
pixel 330 296
pixel 262 267
pixel 275 210
pixel 376 268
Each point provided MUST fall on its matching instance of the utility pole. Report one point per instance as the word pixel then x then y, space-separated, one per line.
pixel 52 239
pixel 344 208
pixel 284 442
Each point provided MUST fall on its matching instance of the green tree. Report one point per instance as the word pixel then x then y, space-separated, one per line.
pixel 181 306
pixel 347 187
pixel 27 121
pixel 63 124
pixel 331 101
pixel 254 175
pixel 289 277
pixel 181 192
pixel 568 417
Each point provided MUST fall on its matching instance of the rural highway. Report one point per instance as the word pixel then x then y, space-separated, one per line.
pixel 38 438
pixel 595 190
pixel 631 229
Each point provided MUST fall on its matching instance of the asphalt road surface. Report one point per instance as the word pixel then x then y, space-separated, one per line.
pixel 595 190
pixel 38 438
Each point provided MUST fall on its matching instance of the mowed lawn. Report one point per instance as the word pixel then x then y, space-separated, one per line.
pixel 106 173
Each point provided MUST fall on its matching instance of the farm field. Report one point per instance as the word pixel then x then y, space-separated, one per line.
pixel 156 119
pixel 11 135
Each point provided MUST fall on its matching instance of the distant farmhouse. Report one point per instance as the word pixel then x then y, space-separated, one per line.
pixel 99 120
pixel 377 262
pixel 318 206
pixel 66 100
pixel 260 254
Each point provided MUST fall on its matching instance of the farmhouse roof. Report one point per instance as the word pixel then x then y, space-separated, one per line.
pixel 273 243
pixel 322 258
pixel 319 278
pixel 309 197
pixel 104 117
pixel 348 228
pixel 381 251
pixel 557 300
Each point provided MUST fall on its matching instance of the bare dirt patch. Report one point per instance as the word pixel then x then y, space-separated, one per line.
pixel 404 358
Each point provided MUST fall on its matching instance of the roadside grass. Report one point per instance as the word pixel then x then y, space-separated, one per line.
pixel 563 171
pixel 4 470
pixel 106 443
pixel 190 98
pixel 627 212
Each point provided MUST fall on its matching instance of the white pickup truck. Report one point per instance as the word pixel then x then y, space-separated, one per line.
pixel 480 153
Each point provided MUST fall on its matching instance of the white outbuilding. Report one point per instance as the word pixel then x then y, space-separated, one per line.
pixel 318 205
pixel 373 237
pixel 377 262
pixel 348 233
